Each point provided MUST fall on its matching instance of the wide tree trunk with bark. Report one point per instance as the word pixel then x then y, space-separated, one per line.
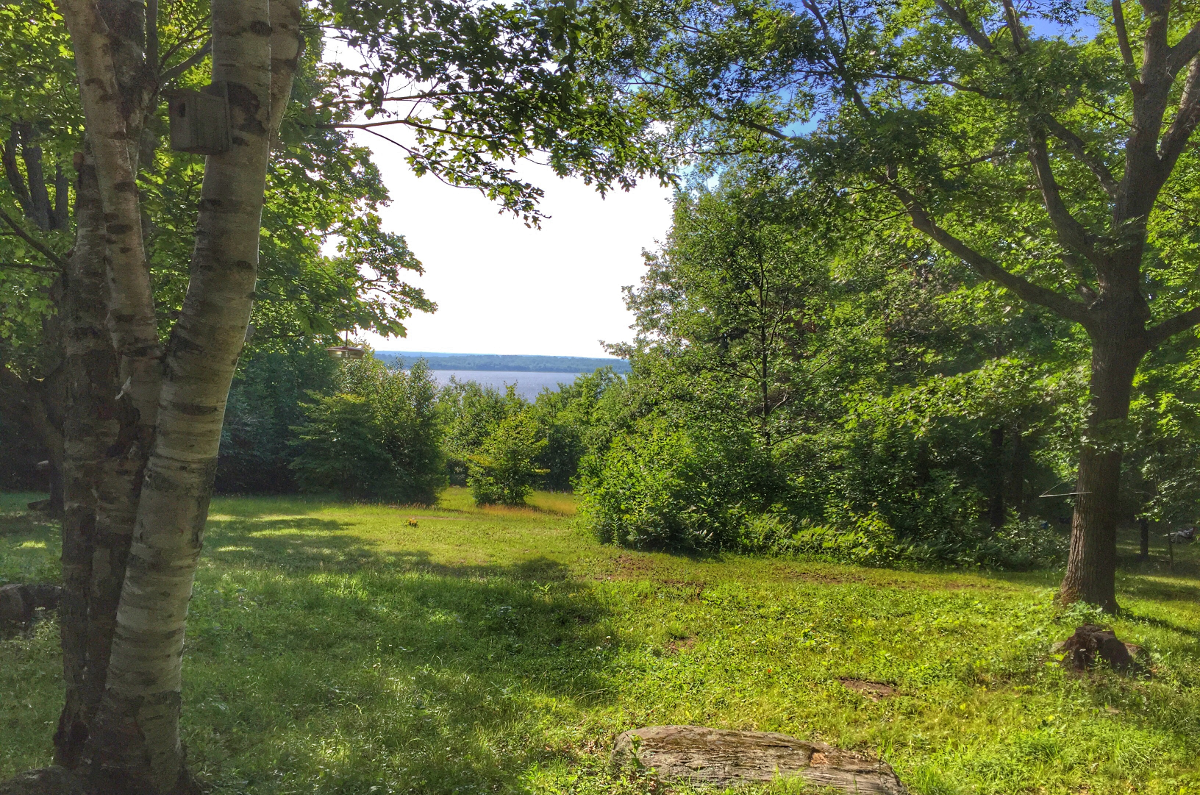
pixel 1092 561
pixel 144 421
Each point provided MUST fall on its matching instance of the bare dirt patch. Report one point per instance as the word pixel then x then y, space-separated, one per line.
pixel 676 645
pixel 626 565
pixel 876 691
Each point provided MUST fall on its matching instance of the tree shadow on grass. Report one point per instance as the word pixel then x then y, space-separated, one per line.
pixel 318 660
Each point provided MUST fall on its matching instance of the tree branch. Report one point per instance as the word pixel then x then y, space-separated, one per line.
pixel 987 267
pixel 33 242
pixel 167 75
pixel 960 17
pixel 15 180
pixel 1079 149
pixel 195 33
pixel 406 122
pixel 1184 123
pixel 152 35
pixel 1184 50
pixel 28 266
pixel 1013 22
pixel 1158 334
pixel 1072 234
pixel 1122 34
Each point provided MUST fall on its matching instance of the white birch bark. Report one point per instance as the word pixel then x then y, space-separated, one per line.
pixel 131 299
pixel 137 745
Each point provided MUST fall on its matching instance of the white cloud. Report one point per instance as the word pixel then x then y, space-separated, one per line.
pixel 503 288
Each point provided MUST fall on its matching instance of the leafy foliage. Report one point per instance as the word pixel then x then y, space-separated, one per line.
pixel 679 488
pixel 470 414
pixel 504 471
pixel 378 437
pixel 475 87
pixel 266 401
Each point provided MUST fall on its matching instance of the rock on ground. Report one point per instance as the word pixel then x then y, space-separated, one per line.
pixel 17 602
pixel 45 781
pixel 725 758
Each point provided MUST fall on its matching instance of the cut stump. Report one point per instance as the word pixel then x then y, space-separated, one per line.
pixel 1091 643
pixel 716 757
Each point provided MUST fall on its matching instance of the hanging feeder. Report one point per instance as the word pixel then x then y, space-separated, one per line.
pixel 346 350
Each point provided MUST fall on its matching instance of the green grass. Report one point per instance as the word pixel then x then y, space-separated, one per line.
pixel 335 649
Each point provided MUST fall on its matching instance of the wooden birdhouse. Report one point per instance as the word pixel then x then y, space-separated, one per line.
pixel 199 120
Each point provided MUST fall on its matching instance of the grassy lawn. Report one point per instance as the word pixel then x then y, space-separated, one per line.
pixel 336 649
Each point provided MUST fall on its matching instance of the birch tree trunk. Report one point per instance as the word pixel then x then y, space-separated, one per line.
pixel 116 89
pixel 136 746
pixel 89 430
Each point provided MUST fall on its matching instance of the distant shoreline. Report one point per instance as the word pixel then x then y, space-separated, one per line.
pixel 489 362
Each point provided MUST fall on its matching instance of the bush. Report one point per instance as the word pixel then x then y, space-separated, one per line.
pixel 265 404
pixel 378 438
pixel 674 489
pixel 504 470
pixel 568 419
pixel 340 449
pixel 470 413
pixel 1020 545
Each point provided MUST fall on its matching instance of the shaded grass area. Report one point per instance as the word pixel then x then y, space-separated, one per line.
pixel 337 649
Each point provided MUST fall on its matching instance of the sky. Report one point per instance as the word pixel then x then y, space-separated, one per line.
pixel 503 288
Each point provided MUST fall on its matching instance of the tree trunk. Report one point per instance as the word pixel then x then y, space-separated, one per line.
pixel 42 418
pixel 136 745
pixel 1144 527
pixel 1016 472
pixel 89 430
pixel 1092 562
pixel 996 475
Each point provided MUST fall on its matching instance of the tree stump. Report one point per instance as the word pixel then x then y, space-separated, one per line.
pixel 720 758
pixel 1091 643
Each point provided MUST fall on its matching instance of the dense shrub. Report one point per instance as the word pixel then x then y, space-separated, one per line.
pixel 504 471
pixel 340 448
pixel 378 438
pixel 470 413
pixel 1020 545
pixel 674 488
pixel 568 419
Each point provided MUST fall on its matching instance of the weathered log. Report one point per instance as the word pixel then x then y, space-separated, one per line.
pixel 716 757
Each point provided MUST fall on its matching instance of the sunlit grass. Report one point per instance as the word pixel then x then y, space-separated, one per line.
pixel 339 649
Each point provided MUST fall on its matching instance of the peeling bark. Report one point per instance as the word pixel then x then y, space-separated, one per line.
pixel 112 137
